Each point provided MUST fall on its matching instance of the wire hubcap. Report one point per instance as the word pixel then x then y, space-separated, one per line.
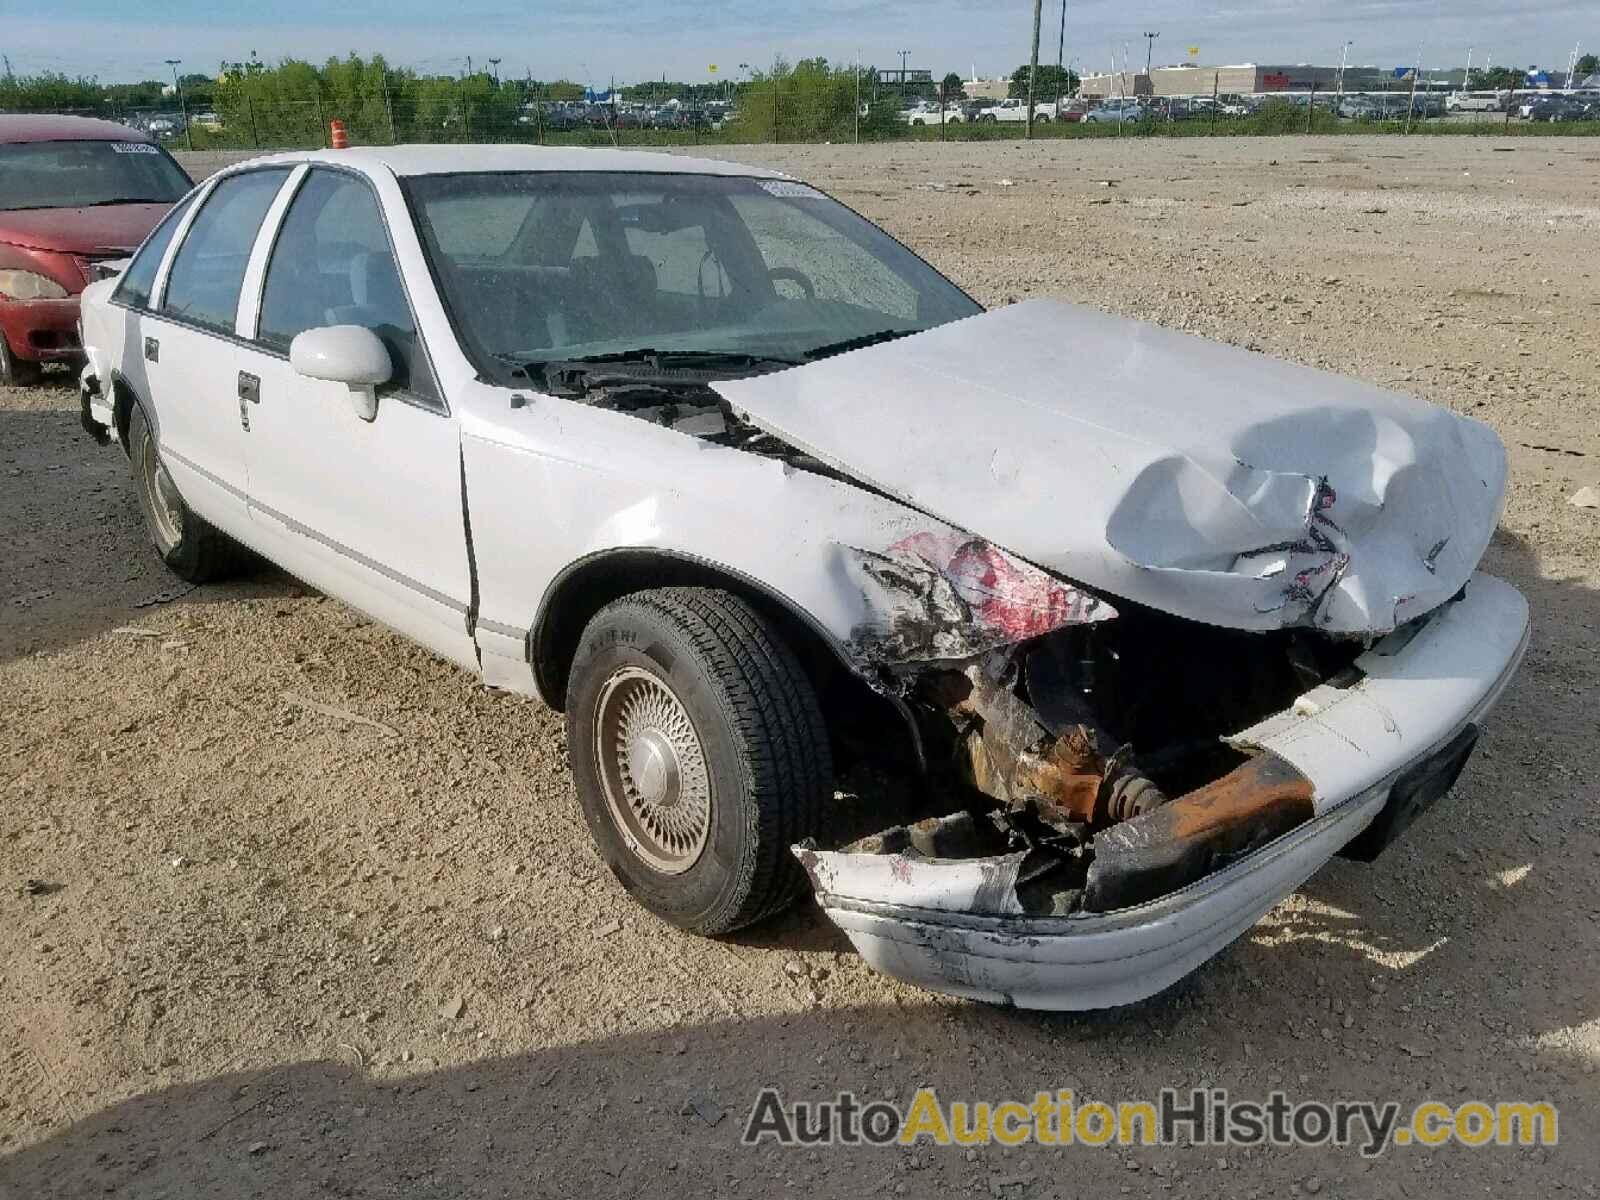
pixel 653 769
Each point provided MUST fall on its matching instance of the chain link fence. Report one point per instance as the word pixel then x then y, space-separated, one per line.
pixel 772 114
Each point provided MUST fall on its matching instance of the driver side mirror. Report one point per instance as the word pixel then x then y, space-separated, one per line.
pixel 348 354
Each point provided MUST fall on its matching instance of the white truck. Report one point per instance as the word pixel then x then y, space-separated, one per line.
pixel 1015 109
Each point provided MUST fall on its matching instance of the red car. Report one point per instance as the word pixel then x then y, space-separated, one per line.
pixel 73 192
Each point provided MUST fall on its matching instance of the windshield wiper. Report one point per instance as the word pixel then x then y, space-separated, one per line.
pixel 857 343
pixel 647 365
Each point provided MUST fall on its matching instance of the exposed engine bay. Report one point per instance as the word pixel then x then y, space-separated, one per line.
pixel 1108 770
pixel 679 398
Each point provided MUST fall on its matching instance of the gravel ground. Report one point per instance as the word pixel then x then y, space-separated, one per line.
pixel 280 953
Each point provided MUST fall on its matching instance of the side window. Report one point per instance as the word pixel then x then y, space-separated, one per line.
pixel 333 265
pixel 204 283
pixel 140 277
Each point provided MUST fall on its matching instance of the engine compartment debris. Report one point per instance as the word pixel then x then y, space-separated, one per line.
pixel 1076 770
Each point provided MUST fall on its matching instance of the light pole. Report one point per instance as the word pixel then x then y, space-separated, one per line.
pixel 1061 59
pixel 1344 61
pixel 1033 67
pixel 1149 53
pixel 494 66
pixel 904 54
pixel 183 108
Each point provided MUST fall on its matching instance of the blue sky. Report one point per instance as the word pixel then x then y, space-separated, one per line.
pixel 591 41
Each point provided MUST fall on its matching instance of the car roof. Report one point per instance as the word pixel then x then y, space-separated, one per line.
pixel 47 128
pixel 458 159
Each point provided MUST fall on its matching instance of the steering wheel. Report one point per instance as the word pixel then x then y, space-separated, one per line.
pixel 795 277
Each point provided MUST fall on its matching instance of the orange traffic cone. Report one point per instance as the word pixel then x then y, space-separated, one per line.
pixel 339 139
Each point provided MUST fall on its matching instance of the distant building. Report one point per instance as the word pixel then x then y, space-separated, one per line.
pixel 987 89
pixel 1244 79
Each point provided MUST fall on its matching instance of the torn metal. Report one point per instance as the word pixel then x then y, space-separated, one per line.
pixel 943 595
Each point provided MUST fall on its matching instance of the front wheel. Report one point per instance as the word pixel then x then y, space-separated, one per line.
pixel 699 754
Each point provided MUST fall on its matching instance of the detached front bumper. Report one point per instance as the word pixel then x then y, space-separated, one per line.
pixel 955 926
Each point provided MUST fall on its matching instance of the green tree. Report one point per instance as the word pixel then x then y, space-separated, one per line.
pixel 1588 65
pixel 953 86
pixel 1498 78
pixel 810 101
pixel 50 92
pixel 1052 79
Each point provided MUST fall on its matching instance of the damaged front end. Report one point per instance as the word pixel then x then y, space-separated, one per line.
pixel 1086 761
pixel 1082 755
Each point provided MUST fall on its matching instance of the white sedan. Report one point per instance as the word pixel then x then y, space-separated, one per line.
pixel 1052 648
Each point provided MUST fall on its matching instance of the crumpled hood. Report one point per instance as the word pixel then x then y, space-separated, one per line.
pixel 1198 478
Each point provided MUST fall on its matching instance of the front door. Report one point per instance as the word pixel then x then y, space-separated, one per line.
pixel 369 510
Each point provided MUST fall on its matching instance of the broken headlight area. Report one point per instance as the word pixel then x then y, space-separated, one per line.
pixel 1090 769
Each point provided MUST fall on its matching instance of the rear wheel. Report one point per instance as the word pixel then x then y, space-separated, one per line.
pixel 699 754
pixel 14 371
pixel 191 546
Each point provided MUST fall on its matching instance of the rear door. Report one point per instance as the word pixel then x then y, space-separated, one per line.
pixel 370 511
pixel 191 356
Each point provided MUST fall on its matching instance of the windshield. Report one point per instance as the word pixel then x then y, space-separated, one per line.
pixel 81 174
pixel 540 267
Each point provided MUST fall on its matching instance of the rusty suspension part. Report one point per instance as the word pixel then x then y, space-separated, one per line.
pixel 1179 842
pixel 1015 758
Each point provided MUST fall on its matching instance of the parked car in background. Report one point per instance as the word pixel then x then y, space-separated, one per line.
pixel 924 112
pixel 632 433
pixel 1013 110
pixel 1559 108
pixel 1475 102
pixel 74 193
pixel 1115 112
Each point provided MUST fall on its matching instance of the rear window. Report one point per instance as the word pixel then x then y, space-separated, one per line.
pixel 140 277
pixel 88 175
pixel 208 272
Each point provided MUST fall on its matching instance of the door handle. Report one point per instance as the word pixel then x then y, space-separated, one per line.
pixel 249 393
pixel 152 350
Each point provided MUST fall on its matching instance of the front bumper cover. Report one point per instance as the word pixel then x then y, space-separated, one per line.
pixel 955 926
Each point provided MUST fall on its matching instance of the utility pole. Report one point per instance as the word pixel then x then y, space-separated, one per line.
pixel 469 67
pixel 1033 67
pixel 183 108
pixel 1061 59
pixel 1466 80
pixel 904 54
pixel 1411 106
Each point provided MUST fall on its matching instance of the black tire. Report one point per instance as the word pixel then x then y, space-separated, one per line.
pixel 14 371
pixel 193 549
pixel 760 755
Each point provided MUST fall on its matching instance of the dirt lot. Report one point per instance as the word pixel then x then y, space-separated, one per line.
pixel 280 953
